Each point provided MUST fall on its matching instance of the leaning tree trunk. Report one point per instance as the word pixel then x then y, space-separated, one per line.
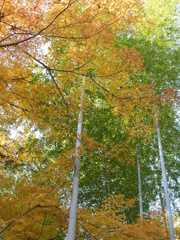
pixel 168 207
pixel 73 209
pixel 139 184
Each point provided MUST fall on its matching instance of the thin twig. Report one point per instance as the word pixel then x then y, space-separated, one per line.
pixel 2 6
pixel 42 225
pixel 50 73
pixel 25 213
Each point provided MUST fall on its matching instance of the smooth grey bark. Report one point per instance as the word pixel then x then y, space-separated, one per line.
pixel 73 209
pixel 166 193
pixel 139 184
pixel 162 203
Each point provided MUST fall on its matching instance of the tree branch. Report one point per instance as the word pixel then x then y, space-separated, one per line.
pixel 25 213
pixel 42 226
pixel 38 33
pixel 50 73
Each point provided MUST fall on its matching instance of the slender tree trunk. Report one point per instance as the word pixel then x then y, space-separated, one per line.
pixel 139 184
pixel 162 206
pixel 166 193
pixel 168 207
pixel 73 209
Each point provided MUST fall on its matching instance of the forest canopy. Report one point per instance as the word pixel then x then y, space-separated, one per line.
pixel 89 119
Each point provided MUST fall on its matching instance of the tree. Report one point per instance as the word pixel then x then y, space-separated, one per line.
pixel 72 217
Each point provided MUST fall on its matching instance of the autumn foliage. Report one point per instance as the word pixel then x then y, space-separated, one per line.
pixel 46 48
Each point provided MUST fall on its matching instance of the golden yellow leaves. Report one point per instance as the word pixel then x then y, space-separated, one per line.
pixel 49 221
pixel 123 153
pixel 19 18
pixel 90 143
pixel 87 48
pixel 177 232
pixel 135 105
pixel 109 221
pixel 42 199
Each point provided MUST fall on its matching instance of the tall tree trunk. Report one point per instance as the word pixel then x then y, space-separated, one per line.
pixel 73 209
pixel 162 204
pixel 139 184
pixel 166 193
